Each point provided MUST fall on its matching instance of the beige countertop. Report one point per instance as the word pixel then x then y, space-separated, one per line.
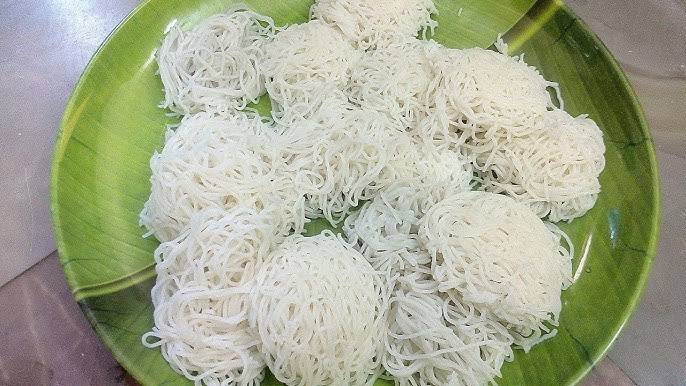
pixel 44 47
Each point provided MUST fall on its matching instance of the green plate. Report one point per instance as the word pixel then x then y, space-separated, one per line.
pixel 111 126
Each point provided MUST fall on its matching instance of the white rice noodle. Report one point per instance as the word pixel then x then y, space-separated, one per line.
pixel 433 340
pixel 319 310
pixel 304 66
pixel 368 23
pixel 495 253
pixel 343 150
pixel 393 80
pixel 384 230
pixel 220 162
pixel 434 171
pixel 415 178
pixel 201 300
pixel 483 96
pixel 213 67
pixel 554 170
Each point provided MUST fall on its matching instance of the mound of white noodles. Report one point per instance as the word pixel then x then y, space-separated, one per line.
pixel 554 170
pixel 220 162
pixel 483 96
pixel 433 340
pixel 346 148
pixel 318 309
pixel 213 67
pixel 495 253
pixel 367 23
pixel 394 80
pixel 201 301
pixel 499 112
pixel 305 65
pixel 415 178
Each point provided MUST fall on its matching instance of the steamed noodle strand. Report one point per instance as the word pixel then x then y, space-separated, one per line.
pixel 395 80
pixel 346 149
pixel 484 95
pixel 435 341
pixel 499 111
pixel 305 66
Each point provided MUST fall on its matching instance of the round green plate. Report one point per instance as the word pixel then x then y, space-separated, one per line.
pixel 111 126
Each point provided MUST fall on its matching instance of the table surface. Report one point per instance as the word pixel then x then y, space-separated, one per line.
pixel 44 46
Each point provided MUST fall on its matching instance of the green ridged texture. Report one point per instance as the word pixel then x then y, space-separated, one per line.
pixel 111 127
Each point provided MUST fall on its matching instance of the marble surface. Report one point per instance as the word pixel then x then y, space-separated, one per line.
pixel 44 46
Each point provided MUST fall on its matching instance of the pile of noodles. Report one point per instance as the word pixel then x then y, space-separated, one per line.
pixel 213 67
pixel 368 23
pixel 305 66
pixel 220 162
pixel 200 296
pixel 434 339
pixel 496 254
pixel 444 170
pixel 318 308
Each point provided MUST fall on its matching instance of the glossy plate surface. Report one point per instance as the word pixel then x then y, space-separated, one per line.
pixel 111 126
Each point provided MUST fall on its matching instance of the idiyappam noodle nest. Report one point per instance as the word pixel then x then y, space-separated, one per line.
pixel 443 169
